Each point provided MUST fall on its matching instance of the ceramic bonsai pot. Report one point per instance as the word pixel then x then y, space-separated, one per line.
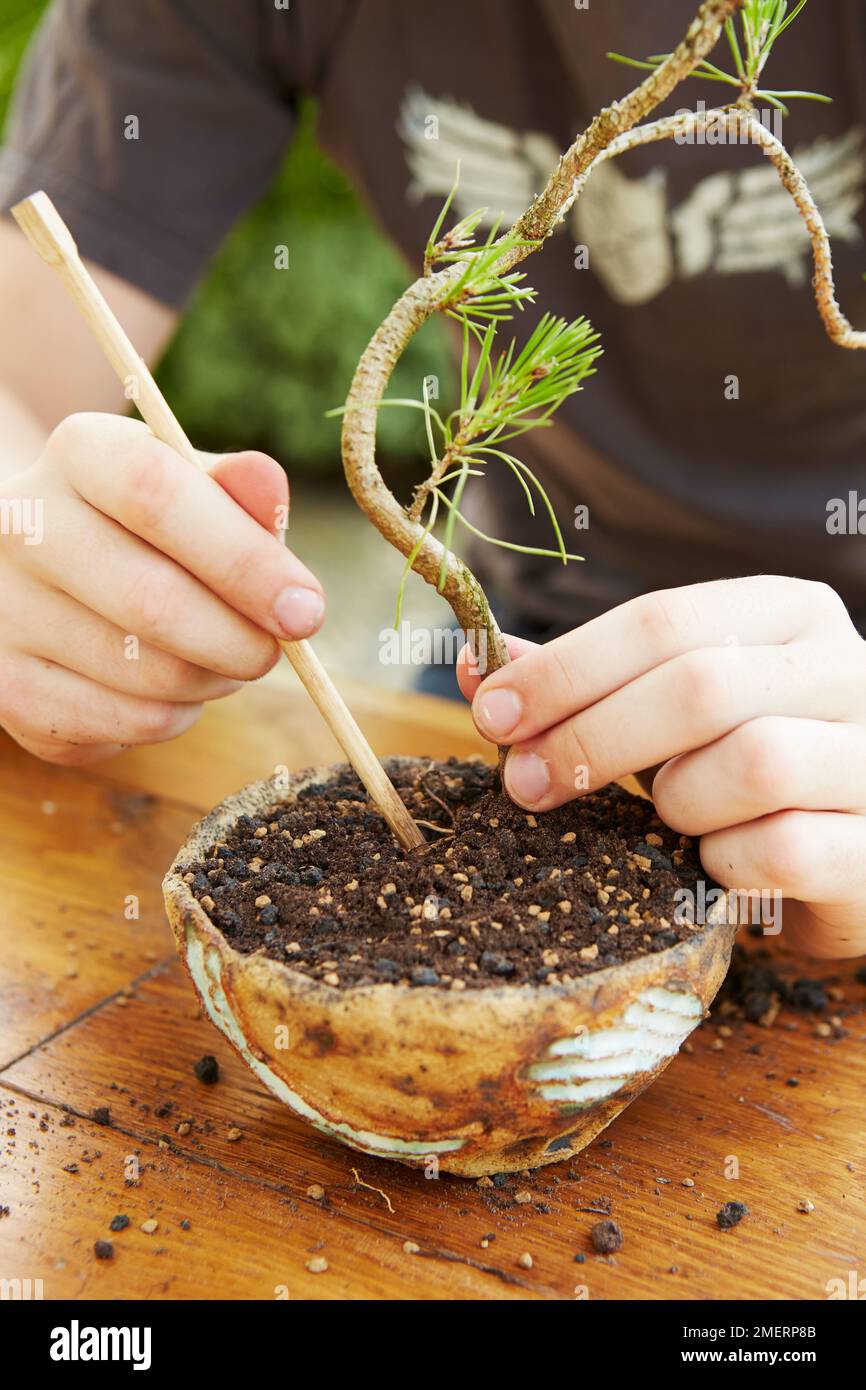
pixel 477 1082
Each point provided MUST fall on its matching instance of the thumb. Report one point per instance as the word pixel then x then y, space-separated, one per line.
pixel 468 676
pixel 257 483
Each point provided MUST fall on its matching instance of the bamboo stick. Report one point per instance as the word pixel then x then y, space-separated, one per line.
pixel 49 235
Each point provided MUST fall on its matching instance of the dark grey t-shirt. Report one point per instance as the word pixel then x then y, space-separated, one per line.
pixel 699 270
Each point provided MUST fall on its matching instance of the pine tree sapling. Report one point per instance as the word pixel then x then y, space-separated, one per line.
pixel 506 391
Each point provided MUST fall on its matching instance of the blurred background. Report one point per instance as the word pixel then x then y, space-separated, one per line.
pixel 260 359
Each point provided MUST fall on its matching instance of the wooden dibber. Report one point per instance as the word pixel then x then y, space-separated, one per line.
pixel 49 235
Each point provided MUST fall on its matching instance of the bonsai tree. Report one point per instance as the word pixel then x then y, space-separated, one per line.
pixel 505 392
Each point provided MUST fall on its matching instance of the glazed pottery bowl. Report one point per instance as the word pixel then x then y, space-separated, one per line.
pixel 472 1082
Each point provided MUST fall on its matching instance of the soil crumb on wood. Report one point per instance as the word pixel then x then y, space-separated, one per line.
pixel 207 1070
pixel 606 1237
pixel 731 1214
pixel 497 897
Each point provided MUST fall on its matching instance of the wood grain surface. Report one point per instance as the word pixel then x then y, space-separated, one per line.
pixel 95 1011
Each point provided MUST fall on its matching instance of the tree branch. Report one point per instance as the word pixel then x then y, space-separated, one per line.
pixel 837 325
pixel 621 116
pixel 743 126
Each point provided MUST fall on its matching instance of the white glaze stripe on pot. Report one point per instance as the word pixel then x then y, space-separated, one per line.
pixel 206 971
pixel 593 1065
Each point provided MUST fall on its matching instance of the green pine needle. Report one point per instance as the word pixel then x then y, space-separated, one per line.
pixel 493 540
pixel 762 23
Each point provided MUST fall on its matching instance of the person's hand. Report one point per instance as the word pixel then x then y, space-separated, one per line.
pixel 749 696
pixel 135 587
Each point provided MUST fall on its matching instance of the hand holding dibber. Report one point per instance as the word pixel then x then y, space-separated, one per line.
pixel 49 235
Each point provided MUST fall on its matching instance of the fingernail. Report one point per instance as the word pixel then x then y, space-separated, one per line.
pixel 299 612
pixel 498 712
pixel 527 778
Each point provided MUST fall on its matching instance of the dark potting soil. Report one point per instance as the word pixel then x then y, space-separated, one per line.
pixel 755 989
pixel 731 1214
pixel 498 896
pixel 606 1237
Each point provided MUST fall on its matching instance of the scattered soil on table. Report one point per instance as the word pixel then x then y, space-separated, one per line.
pixel 498 895
pixel 756 988
pixel 762 988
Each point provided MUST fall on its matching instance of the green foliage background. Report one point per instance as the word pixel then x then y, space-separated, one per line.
pixel 263 353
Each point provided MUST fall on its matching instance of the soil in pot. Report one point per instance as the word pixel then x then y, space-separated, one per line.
pixel 498 896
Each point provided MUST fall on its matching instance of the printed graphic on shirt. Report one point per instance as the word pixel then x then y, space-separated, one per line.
pixel 732 223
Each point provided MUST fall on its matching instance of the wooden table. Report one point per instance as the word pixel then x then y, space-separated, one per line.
pixel 95 1011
